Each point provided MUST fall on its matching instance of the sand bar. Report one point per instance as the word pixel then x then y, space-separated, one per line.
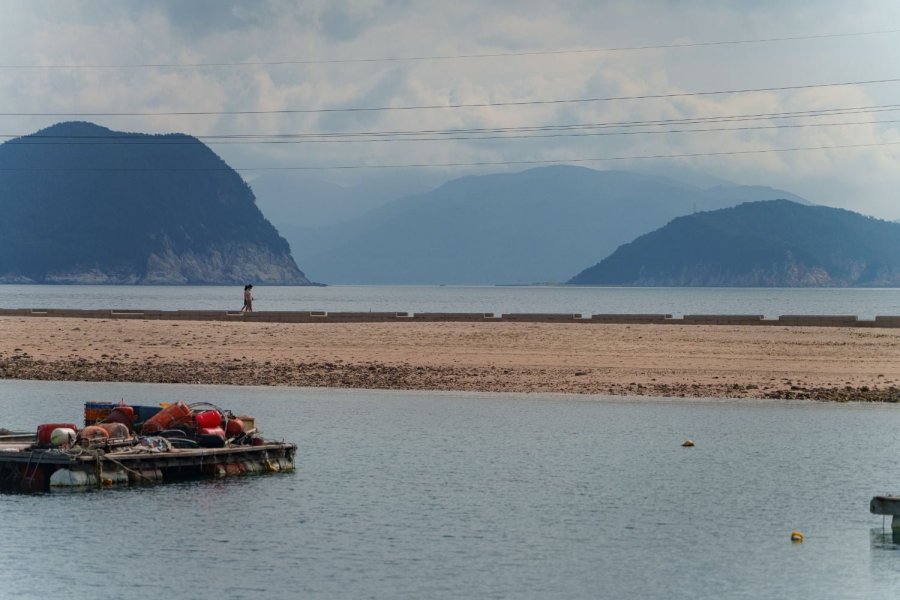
pixel 658 360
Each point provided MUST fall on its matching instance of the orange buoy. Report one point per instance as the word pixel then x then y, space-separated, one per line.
pixel 170 416
pixel 92 433
pixel 115 430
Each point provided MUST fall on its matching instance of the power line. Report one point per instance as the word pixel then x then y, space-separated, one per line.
pixel 851 110
pixel 448 106
pixel 620 124
pixel 454 164
pixel 469 133
pixel 722 118
pixel 182 141
pixel 448 57
pixel 580 160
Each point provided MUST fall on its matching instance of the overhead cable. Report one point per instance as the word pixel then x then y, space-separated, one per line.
pixel 449 106
pixel 455 164
pixel 185 140
pixel 822 112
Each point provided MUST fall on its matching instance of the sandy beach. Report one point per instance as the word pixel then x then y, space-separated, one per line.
pixel 831 363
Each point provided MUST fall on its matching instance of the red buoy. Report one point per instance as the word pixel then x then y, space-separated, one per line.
pixel 208 419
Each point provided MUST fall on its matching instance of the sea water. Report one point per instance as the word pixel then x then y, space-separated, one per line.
pixel 769 302
pixel 460 495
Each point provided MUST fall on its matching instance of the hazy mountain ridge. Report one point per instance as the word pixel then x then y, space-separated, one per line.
pixel 539 225
pixel 306 201
pixel 83 204
pixel 316 216
pixel 775 243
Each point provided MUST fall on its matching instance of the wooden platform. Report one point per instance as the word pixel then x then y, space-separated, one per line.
pixel 38 470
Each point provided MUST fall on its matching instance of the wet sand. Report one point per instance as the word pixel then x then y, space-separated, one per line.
pixel 825 363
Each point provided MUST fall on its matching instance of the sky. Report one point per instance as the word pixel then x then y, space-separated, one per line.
pixel 529 71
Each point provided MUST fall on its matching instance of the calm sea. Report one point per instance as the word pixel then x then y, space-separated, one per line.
pixel 446 495
pixel 865 303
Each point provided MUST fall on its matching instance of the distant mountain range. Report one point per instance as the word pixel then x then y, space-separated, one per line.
pixel 306 210
pixel 772 243
pixel 540 225
pixel 84 204
pixel 308 203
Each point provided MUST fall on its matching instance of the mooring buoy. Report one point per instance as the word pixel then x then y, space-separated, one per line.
pixel 796 536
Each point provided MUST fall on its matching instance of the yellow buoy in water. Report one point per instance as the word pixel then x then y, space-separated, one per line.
pixel 796 536
pixel 688 444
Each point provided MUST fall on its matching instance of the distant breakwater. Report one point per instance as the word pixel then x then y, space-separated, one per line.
pixel 405 317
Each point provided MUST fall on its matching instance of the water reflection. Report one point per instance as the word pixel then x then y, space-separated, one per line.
pixel 885 538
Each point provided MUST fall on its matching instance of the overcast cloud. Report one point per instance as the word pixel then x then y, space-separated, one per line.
pixel 115 32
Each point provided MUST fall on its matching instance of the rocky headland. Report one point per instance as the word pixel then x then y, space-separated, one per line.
pixel 84 204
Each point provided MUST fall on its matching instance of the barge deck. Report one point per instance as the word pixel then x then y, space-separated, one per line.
pixel 132 445
pixel 24 468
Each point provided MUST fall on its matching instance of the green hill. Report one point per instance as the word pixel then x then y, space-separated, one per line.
pixel 775 243
pixel 84 204
pixel 539 225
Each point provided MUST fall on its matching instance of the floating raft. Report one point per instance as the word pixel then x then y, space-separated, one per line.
pixel 189 444
pixel 41 470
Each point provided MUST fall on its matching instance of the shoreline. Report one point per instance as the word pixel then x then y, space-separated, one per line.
pixel 696 361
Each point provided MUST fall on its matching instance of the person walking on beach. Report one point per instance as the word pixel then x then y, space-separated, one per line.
pixel 248 298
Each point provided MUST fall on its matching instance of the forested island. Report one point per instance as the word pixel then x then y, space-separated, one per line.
pixel 84 204
pixel 769 243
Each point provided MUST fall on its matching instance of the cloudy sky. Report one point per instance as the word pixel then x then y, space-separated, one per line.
pixel 528 71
